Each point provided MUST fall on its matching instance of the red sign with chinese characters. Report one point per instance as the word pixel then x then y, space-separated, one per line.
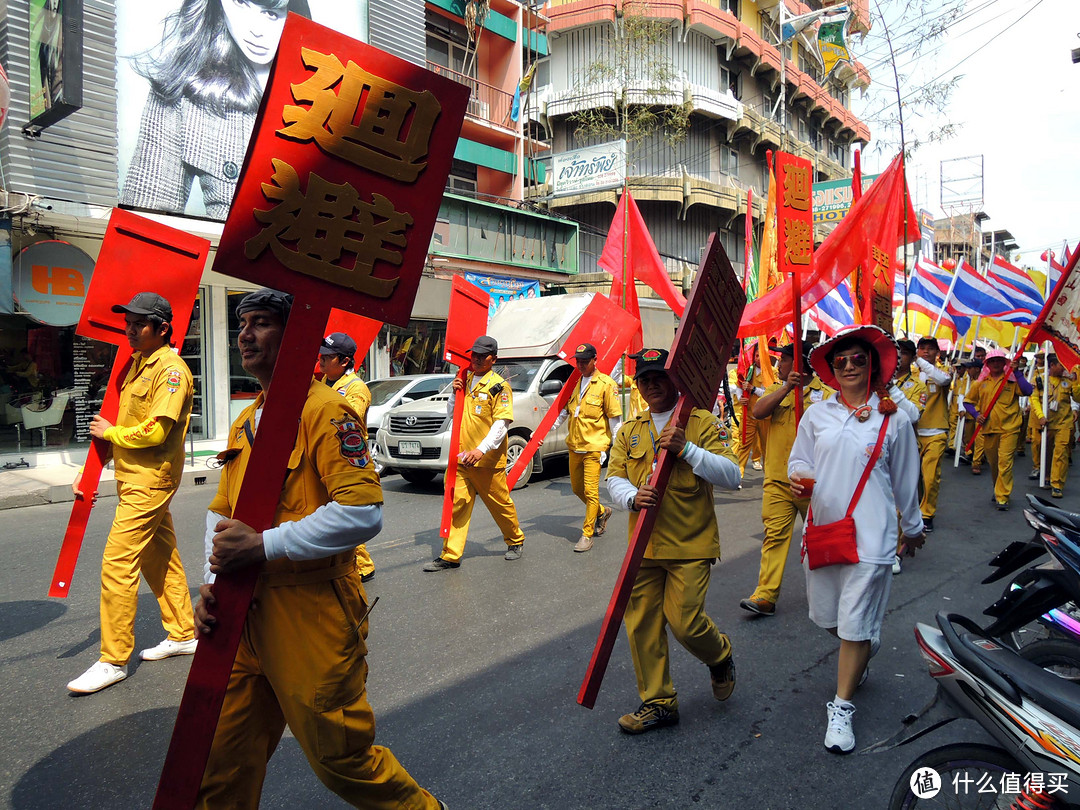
pixel 344 174
pixel 795 214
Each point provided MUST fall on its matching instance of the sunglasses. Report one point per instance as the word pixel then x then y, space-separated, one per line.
pixel 856 360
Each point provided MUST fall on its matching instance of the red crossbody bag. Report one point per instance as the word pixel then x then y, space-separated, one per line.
pixel 834 543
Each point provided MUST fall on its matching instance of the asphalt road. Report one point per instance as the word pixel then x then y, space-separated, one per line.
pixel 474 672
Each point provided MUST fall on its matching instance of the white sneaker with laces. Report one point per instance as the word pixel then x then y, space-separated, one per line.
pixel 896 564
pixel 840 738
pixel 96 678
pixel 168 648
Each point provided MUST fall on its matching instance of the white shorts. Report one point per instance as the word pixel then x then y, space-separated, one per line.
pixel 851 598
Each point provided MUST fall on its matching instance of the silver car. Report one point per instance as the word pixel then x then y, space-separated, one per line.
pixel 414 438
pixel 389 392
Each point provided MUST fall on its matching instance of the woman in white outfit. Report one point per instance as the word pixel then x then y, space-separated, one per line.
pixel 834 442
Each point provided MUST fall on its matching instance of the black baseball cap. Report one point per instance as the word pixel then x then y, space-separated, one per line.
pixel 270 300
pixel 649 360
pixel 929 341
pixel 338 343
pixel 789 351
pixel 585 351
pixel 485 345
pixel 147 303
pixel 906 345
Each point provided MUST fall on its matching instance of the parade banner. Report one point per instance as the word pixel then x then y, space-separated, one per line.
pixel 335 204
pixel 609 328
pixel 465 322
pixel 795 240
pixel 697 364
pixel 137 255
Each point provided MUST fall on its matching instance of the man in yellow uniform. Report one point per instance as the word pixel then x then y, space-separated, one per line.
pixel 302 655
pixel 147 447
pixel 488 412
pixel 751 435
pixel 673 579
pixel 595 413
pixel 1031 431
pixel 778 506
pixel 968 373
pixel 932 431
pixel 1058 422
pixel 909 384
pixel 1001 425
pixel 337 362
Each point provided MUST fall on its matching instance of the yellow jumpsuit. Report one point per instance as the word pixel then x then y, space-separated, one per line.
pixel 142 538
pixel 673 579
pixel 356 393
pixel 750 436
pixel 778 506
pixel 962 388
pixel 486 400
pixel 932 448
pixel 1059 424
pixel 1001 431
pixel 589 435
pixel 302 655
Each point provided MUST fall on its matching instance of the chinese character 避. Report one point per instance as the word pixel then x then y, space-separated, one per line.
pixel 798 241
pixel 327 222
pixel 392 135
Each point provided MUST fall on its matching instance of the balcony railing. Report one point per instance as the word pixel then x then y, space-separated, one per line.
pixel 486 103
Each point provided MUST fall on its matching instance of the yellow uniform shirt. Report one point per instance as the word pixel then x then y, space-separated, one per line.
pixel 588 431
pixel 1006 416
pixel 685 527
pixel 329 462
pixel 915 392
pixel 782 427
pixel 936 412
pixel 157 386
pixel 356 393
pixel 1060 403
pixel 486 400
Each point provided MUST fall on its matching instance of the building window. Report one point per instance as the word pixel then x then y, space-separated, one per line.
pixel 729 161
pixel 447 46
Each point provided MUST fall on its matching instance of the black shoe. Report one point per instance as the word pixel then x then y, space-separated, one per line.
pixel 722 678
pixel 928 524
pixel 1033 475
pixel 367 577
pixel 1003 506
pixel 965 459
pixel 648 717
pixel 439 564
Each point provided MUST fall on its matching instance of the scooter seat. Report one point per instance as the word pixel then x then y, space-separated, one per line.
pixel 1056 695
pixel 1061 517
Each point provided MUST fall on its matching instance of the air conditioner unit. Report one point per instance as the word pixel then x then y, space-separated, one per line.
pixel 478 108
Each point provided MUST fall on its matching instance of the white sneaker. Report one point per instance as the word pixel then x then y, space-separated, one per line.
pixel 168 648
pixel 96 678
pixel 840 738
pixel 896 564
pixel 755 464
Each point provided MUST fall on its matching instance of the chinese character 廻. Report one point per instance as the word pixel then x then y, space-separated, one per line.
pixel 395 124
pixel 797 187
pixel 329 221
pixel 798 241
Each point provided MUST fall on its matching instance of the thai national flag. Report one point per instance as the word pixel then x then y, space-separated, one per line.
pixel 927 289
pixel 981 297
pixel 1016 285
pixel 834 311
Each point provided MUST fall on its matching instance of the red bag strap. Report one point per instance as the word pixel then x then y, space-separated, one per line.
pixel 866 472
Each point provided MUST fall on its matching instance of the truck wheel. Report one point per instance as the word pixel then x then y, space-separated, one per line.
pixel 417 476
pixel 514 446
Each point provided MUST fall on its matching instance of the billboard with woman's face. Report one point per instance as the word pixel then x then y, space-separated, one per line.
pixel 190 76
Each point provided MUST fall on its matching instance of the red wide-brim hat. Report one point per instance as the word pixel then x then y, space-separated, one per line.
pixel 882 342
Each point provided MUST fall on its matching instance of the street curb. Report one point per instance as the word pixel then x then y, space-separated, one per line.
pixel 44 485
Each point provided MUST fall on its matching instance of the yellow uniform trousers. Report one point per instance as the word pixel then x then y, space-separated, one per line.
pixel 756 431
pixel 1057 454
pixel 490 484
pixel 142 539
pixel 364 563
pixel 585 481
pixel 779 509
pixel 312 676
pixel 931 450
pixel 1000 454
pixel 1035 437
pixel 670 593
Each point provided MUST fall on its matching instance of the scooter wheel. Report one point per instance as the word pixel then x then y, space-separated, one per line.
pixel 959 761
pixel 1059 656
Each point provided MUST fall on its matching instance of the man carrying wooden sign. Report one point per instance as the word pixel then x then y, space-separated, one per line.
pixel 673 580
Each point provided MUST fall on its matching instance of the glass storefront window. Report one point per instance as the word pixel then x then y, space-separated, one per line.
pixel 192 352
pixel 416 349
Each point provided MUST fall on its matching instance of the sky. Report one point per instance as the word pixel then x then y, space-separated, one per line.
pixel 1017 105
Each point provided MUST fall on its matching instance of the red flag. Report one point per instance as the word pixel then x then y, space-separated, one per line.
pixel 875 221
pixel 1059 321
pixel 641 254
pixel 629 302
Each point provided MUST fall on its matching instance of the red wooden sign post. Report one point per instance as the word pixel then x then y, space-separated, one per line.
pixel 609 328
pixel 466 321
pixel 336 204
pixel 697 363
pixel 137 255
pixel 795 240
